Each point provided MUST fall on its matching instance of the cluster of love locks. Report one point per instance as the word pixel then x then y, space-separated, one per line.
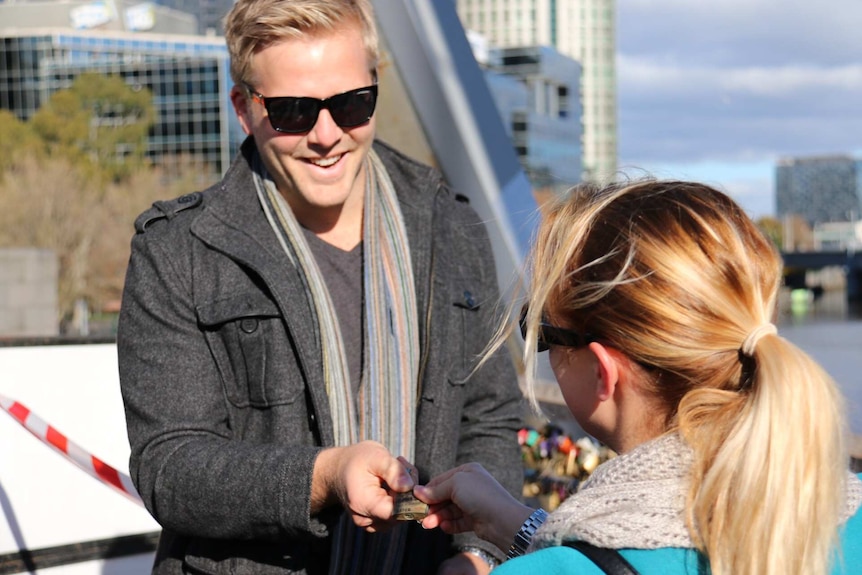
pixel 555 464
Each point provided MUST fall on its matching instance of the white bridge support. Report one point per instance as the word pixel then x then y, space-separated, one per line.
pixel 461 122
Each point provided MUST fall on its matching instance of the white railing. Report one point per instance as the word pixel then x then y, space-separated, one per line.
pixel 46 500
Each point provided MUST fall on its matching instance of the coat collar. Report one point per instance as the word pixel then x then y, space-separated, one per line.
pixel 234 222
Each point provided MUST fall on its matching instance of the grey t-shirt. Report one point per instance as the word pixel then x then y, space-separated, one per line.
pixel 342 272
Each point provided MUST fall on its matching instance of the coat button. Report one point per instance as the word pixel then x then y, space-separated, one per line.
pixel 469 299
pixel 248 325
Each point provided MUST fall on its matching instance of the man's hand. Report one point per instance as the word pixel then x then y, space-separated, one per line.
pixel 361 478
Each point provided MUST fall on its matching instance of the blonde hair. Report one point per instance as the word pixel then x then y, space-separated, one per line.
pixel 676 276
pixel 252 25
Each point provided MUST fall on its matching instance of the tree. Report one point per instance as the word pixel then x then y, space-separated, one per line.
pixel 16 139
pixel 53 205
pixel 99 122
pixel 772 229
pixel 74 178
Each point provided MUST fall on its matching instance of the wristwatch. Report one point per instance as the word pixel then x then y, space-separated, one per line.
pixel 526 532
pixel 481 554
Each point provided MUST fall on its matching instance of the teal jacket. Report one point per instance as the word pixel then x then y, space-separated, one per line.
pixel 668 560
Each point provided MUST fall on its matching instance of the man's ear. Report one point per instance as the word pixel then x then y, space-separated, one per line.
pixel 607 371
pixel 239 99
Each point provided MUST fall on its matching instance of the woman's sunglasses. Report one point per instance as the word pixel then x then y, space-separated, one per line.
pixel 552 335
pixel 295 115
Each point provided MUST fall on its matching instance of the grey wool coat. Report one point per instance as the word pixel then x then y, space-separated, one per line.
pixel 222 378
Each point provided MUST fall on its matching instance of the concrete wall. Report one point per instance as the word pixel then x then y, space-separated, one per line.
pixel 28 292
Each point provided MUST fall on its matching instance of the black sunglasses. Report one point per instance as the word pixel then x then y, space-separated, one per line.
pixel 552 335
pixel 295 115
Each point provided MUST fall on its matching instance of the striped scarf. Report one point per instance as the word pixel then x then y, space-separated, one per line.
pixel 386 407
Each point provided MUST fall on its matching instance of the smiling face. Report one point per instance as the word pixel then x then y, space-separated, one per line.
pixel 320 172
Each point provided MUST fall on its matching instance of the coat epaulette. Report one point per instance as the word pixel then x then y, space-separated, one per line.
pixel 167 210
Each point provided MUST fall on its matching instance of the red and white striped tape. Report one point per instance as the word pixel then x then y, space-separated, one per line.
pixel 72 451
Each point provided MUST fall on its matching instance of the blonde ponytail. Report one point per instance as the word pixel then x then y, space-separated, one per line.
pixel 768 480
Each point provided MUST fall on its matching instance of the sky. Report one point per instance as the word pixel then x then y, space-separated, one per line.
pixel 717 91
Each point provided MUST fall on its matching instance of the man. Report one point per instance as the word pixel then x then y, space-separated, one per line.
pixel 295 338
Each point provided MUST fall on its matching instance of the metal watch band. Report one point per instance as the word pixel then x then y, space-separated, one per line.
pixel 526 532
pixel 481 554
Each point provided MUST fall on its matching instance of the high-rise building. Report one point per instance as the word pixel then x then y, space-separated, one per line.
pixel 581 29
pixel 819 189
pixel 536 92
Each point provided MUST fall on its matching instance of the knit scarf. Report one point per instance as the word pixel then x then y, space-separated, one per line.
pixel 636 500
pixel 386 408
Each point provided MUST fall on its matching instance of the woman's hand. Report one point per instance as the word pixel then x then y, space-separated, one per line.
pixel 468 498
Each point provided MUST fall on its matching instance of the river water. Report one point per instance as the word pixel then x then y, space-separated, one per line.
pixel 832 335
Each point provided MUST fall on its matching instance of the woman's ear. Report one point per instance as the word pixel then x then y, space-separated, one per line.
pixel 607 371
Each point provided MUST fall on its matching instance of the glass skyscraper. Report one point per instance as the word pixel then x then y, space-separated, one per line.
pixel 819 189
pixel 584 30
pixel 536 92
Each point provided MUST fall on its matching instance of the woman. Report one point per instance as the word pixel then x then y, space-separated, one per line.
pixel 655 300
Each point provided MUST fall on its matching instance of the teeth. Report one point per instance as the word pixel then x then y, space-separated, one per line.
pixel 326 162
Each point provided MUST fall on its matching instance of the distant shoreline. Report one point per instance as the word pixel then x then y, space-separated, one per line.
pixel 854 446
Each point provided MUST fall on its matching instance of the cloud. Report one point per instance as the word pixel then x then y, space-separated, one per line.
pixel 644 77
pixel 737 81
pixel 672 113
pixel 754 194
pixel 767 32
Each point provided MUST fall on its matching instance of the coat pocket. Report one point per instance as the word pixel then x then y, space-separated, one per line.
pixel 466 324
pixel 255 355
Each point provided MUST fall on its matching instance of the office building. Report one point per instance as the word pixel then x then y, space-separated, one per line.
pixel 838 236
pixel 103 15
pixel 819 189
pixel 581 29
pixel 536 92
pixel 44 46
pixel 209 13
